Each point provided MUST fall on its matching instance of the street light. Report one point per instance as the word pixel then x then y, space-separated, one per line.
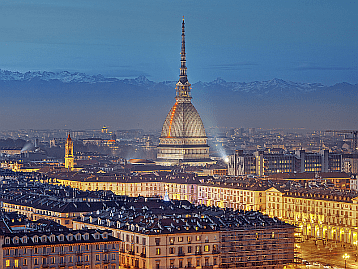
pixel 345 257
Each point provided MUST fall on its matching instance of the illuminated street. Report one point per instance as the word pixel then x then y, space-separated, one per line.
pixel 327 254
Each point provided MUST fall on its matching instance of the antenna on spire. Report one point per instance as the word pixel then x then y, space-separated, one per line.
pixel 183 75
pixel 183 85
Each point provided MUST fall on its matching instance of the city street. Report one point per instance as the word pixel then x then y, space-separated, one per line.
pixel 320 253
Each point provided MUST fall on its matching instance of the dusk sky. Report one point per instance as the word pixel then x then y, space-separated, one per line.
pixel 303 41
pixel 306 41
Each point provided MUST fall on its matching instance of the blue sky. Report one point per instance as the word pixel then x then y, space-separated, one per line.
pixel 303 41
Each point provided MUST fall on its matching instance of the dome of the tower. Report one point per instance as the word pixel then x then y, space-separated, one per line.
pixel 183 120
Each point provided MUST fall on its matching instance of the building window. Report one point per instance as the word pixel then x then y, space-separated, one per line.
pixel 189 249
pixel 198 238
pixel 180 263
pixel 206 248
pixel 7 263
pixel 97 257
pixel 157 264
pixel 36 250
pixel 24 261
pixel 157 241
pixel 171 251
pixel 172 263
pixel 171 240
pixel 144 241
pixel 180 239
pixel 36 261
pixel 157 251
pixel 214 261
pixel 189 239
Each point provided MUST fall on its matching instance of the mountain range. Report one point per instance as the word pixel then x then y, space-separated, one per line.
pixel 60 97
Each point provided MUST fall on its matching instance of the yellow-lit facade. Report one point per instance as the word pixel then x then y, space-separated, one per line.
pixel 327 217
pixel 69 158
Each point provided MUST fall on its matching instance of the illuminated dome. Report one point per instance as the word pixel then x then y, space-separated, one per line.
pixel 183 139
pixel 183 121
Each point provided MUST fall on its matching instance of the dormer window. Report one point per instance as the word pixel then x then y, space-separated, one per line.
pixel 61 237
pixel 15 240
pixel 70 237
pixel 52 238
pixel 86 236
pixel 7 240
pixel 78 236
pixel 24 240
pixel 104 235
pixel 96 236
pixel 35 238
pixel 43 238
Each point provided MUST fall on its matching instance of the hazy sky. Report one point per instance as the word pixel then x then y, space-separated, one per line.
pixel 303 40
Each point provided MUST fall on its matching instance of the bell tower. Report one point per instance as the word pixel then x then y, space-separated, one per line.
pixel 69 159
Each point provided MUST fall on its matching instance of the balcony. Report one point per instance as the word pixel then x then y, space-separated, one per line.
pixel 198 252
pixel 105 261
pixel 181 254
pixel 106 251
pixel 62 265
pixel 143 255
pixel 79 253
pixel 215 251
pixel 79 263
pixel 44 266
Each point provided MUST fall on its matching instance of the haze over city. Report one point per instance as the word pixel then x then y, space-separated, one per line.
pixel 278 42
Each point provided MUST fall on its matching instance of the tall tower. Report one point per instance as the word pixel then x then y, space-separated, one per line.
pixel 183 139
pixel 69 159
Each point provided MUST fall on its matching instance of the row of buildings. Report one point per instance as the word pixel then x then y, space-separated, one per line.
pixel 134 232
pixel 263 163
pixel 312 205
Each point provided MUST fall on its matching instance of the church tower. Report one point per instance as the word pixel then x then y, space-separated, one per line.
pixel 69 159
pixel 183 139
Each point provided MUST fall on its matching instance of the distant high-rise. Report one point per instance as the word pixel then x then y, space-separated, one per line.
pixel 183 139
pixel 69 158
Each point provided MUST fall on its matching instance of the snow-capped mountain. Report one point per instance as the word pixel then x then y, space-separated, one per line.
pixel 257 88
pixel 264 87
pixel 64 76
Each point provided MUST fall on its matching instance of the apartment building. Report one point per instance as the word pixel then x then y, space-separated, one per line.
pixel 60 249
pixel 177 234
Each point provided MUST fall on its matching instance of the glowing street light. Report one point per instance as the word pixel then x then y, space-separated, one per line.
pixel 345 257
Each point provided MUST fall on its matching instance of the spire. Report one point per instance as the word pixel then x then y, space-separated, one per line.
pixel 183 76
pixel 69 137
pixel 183 85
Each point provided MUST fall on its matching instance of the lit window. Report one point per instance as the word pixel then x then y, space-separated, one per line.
pixel 157 251
pixel 7 263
